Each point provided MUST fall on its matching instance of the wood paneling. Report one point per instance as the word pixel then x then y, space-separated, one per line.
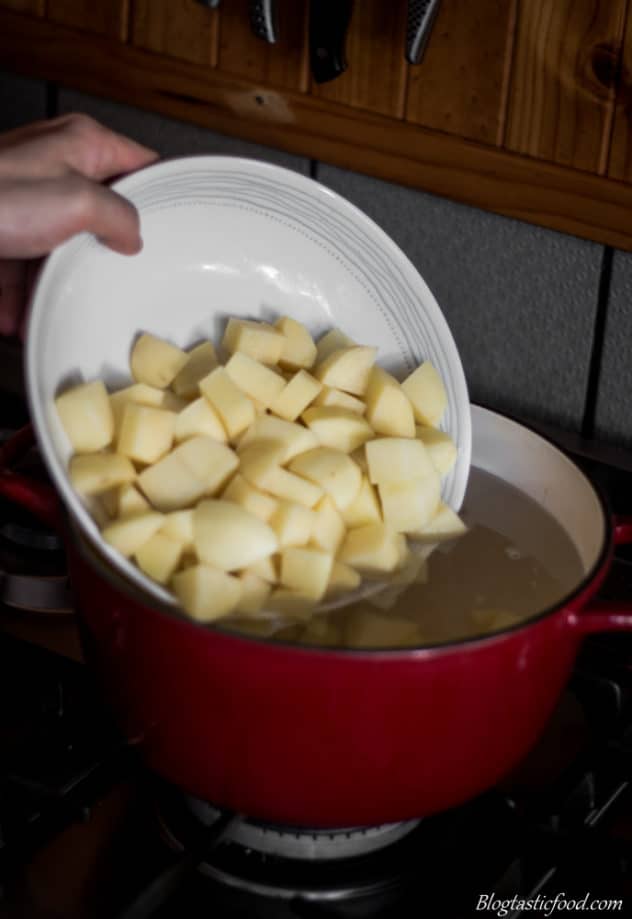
pixel 462 82
pixel 549 195
pixel 107 17
pixel 283 64
pixel 25 6
pixel 376 76
pixel 620 164
pixel 185 29
pixel 563 83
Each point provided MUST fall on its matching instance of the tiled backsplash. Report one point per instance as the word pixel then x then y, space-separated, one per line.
pixel 521 301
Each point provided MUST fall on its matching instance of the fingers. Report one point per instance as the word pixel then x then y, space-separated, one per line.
pixel 37 216
pixel 71 143
pixel 12 296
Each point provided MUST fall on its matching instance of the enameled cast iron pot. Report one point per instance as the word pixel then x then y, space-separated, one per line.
pixel 326 738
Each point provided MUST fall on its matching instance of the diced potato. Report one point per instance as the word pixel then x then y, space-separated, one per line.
pixel 338 427
pixel 146 433
pixel 388 410
pixel 343 578
pixel 298 393
pixel 267 569
pixel 294 437
pixel 254 378
pixel 372 548
pixel 258 461
pixel 334 340
pixel 444 525
pixel 254 594
pixel 140 394
pixel 257 339
pixel 299 349
pixel 440 446
pixel 426 392
pixel 328 528
pixel 359 456
pixel 109 501
pixel 256 502
pixel 228 537
pixel 291 603
pixel 348 369
pixel 178 525
pixel 199 417
pixel 372 630
pixel 339 399
pixel 233 407
pixel 128 534
pixel 394 459
pixel 155 361
pixel 130 501
pixel 171 402
pixel 198 467
pixel 292 524
pixel 333 471
pixel 365 508
pixel 199 363
pixel 94 473
pixel 86 416
pixel 159 557
pixel 409 506
pixel 207 593
pixel 306 571
pixel 284 484
pixel 321 630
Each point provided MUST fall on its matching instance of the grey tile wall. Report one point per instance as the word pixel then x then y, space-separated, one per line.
pixel 520 300
pixel 613 421
pixel 170 137
pixel 21 100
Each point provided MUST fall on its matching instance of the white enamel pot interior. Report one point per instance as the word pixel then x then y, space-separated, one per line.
pixel 228 237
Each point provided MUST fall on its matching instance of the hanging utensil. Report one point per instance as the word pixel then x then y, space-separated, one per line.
pixel 263 16
pixel 328 24
pixel 421 17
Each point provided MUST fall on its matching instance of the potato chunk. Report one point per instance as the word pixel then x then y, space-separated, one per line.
pixel 440 447
pixel 233 407
pixel 392 459
pixel 365 508
pixel 292 523
pixel 228 537
pixel 178 525
pixel 94 473
pixel 298 393
pixel 207 593
pixel 333 471
pixel 338 399
pixel 257 339
pixel 130 501
pixel 299 349
pixel 444 525
pixel 254 594
pixel 294 438
pixel 199 417
pixel 372 548
pixel 331 341
pixel 328 528
pixel 338 427
pixel 199 466
pixel 146 433
pixel 388 410
pixel 342 579
pixel 426 392
pixel 254 378
pixel 199 363
pixel 409 506
pixel 348 369
pixel 156 362
pixel 266 569
pixel 252 499
pixel 128 534
pixel 159 557
pixel 86 416
pixel 306 571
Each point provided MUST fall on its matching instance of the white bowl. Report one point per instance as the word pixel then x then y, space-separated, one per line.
pixel 228 237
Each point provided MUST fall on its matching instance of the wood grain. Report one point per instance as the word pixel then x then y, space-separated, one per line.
pixel 36 7
pixel 376 76
pixel 620 161
pixel 107 17
pixel 241 53
pixel 462 83
pixel 568 200
pixel 561 102
pixel 186 30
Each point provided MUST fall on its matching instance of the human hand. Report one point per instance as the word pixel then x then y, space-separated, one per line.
pixel 50 175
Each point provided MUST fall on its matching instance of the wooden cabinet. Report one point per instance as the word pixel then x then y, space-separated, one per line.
pixel 519 106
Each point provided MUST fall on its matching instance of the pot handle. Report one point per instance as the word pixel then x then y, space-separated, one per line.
pixel 39 498
pixel 608 615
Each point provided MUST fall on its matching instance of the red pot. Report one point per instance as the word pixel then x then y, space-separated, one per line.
pixel 326 738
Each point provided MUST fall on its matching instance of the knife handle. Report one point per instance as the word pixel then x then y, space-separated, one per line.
pixel 263 19
pixel 211 4
pixel 328 24
pixel 421 17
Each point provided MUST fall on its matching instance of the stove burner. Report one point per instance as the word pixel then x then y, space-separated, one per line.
pixel 29 537
pixel 299 843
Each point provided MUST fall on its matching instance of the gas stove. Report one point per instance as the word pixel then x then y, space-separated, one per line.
pixel 85 831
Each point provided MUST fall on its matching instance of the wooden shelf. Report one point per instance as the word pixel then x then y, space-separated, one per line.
pixel 396 133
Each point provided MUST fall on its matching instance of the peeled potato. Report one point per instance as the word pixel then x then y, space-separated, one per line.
pixel 146 433
pixel 338 427
pixel 156 362
pixel 233 407
pixel 331 341
pixel 297 394
pixel 426 392
pixel 441 448
pixel 329 396
pixel 254 594
pixel 257 339
pixel 372 548
pixel 199 417
pixel 365 508
pixel 333 471
pixel 294 437
pixel 198 467
pixel 199 363
pixel 328 528
pixel 255 379
pixel 342 579
pixel 86 416
pixel 207 593
pixel 444 524
pixel 348 369
pixel 228 537
pixel 159 557
pixel 129 534
pixel 130 501
pixel 306 571
pixel 397 460
pixel 408 506
pixel 252 499
pixel 293 524
pixel 388 410
pixel 94 473
pixel 299 349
